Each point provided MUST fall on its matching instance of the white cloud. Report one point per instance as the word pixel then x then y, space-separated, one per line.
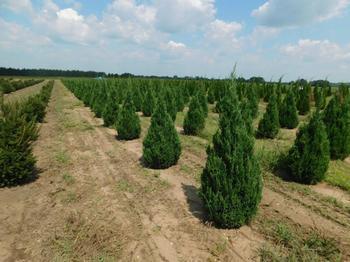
pixel 17 6
pixel 128 20
pixel 184 15
pixel 175 45
pixel 222 32
pixel 65 24
pixel 289 13
pixel 13 35
pixel 317 50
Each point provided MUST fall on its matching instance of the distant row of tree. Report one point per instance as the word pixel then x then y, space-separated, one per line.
pixel 48 72
pixel 93 74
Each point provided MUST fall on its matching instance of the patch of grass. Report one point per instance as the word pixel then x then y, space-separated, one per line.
pixel 81 240
pixel 185 168
pixel 69 198
pixel 68 178
pixel 295 243
pixel 268 253
pixel 283 234
pixel 219 247
pixel 339 175
pixel 62 157
pixel 211 126
pixel 270 159
pixel 124 186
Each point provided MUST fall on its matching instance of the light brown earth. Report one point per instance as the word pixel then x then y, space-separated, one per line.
pixel 94 201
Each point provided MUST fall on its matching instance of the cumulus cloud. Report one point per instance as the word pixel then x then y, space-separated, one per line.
pixel 183 15
pixel 314 50
pixel 65 24
pixel 125 19
pixel 289 13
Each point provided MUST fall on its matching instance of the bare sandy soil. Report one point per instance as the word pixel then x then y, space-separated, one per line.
pixel 94 201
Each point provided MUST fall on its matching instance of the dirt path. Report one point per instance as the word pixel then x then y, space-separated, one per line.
pixel 22 93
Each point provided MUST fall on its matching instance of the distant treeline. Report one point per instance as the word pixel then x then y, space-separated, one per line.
pixel 93 74
pixel 48 72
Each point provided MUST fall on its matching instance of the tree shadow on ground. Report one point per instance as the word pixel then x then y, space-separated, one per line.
pixel 195 203
pixel 30 179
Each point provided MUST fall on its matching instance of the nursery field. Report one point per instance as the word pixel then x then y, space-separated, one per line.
pixel 104 188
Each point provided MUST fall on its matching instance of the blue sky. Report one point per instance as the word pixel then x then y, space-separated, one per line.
pixel 270 38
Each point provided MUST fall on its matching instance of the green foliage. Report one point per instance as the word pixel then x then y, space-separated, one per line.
pixel 171 107
pixel 320 98
pixel 304 100
pixel 17 132
pixel 110 112
pixel 180 101
pixel 231 183
pixel 149 103
pixel 137 98
pixel 288 115
pixel 194 120
pixel 337 120
pixel 202 99
pixel 161 146
pixel 211 96
pixel 9 85
pixel 308 159
pixel 269 125
pixel 128 124
pixel 253 100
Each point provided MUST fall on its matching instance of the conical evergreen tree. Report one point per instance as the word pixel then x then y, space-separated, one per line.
pixel 170 103
pixel 110 112
pixel 180 102
pixel 304 100
pixel 345 115
pixel 136 98
pixel 211 95
pixel 253 99
pixel 309 157
pixel 269 125
pixel 161 146
pixel 194 120
pixel 337 120
pixel 320 99
pixel 149 103
pixel 288 115
pixel 128 124
pixel 202 99
pixel 231 183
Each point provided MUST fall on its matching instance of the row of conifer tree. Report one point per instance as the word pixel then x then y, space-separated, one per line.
pixel 8 85
pixel 18 130
pixel 231 183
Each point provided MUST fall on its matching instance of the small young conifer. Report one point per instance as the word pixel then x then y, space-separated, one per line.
pixel 231 183
pixel 110 112
pixel 194 120
pixel 308 159
pixel 269 125
pixel 161 146
pixel 288 114
pixel 128 124
pixel 337 120
pixel 202 99
pixel 149 103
